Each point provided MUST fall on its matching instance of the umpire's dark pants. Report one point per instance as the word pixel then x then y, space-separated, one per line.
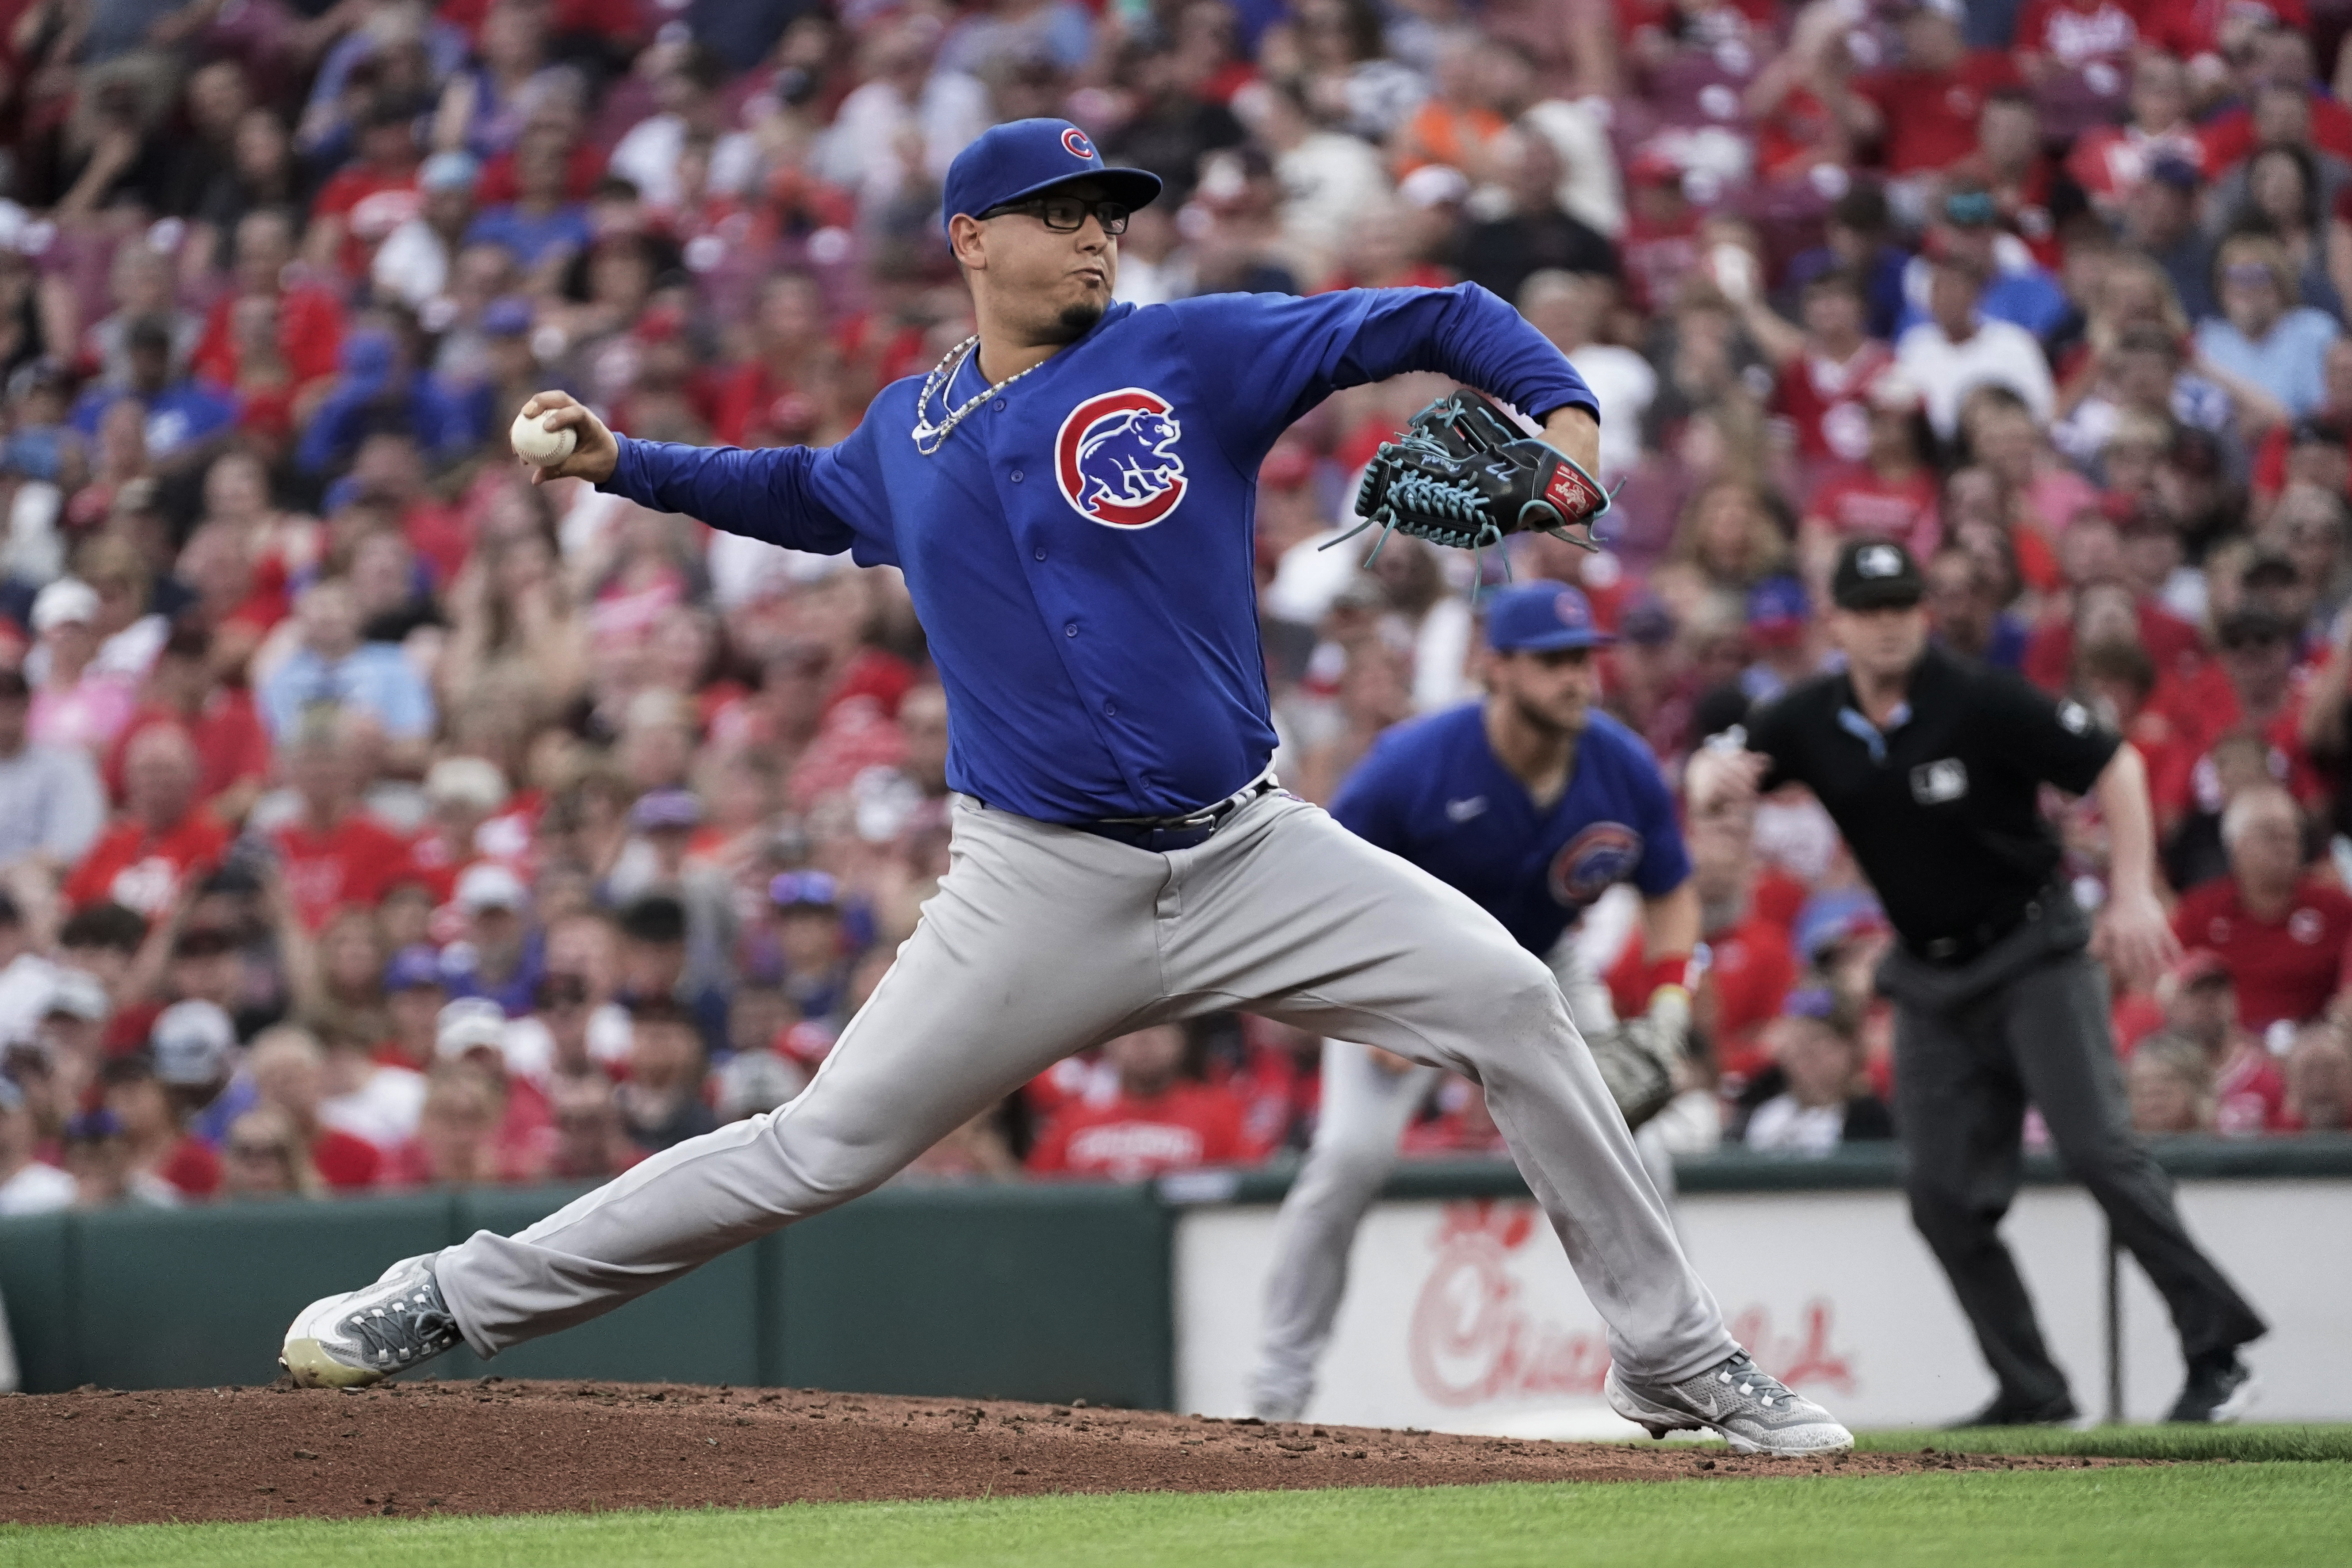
pixel 2027 1020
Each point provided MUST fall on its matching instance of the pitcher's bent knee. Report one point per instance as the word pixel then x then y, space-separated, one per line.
pixel 816 1169
pixel 1505 1000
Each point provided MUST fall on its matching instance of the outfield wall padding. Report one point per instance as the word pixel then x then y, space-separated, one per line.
pixel 1046 1291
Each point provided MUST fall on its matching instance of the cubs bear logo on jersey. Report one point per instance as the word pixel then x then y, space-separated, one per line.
pixel 1589 864
pixel 1116 459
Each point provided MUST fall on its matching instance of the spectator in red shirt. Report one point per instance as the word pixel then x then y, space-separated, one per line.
pixel 309 321
pixel 2279 58
pixel 333 853
pixel 1157 1123
pixel 2110 161
pixel 472 1033
pixel 2055 35
pixel 2201 1010
pixel 792 355
pixel 262 1157
pixel 2280 934
pixel 1660 245
pixel 456 1143
pixel 2257 695
pixel 1891 492
pixel 1923 113
pixel 156 1128
pixel 232 748
pixel 290 1075
pixel 1825 372
pixel 368 197
pixel 164 837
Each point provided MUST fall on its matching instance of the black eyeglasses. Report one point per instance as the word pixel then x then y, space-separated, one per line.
pixel 1067 214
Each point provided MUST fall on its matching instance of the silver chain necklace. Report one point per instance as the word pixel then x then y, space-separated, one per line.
pixel 928 436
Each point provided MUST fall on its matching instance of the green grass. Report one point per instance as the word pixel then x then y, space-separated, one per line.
pixel 2250 1443
pixel 2272 1515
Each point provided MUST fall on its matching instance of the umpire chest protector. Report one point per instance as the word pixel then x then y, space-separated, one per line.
pixel 1942 805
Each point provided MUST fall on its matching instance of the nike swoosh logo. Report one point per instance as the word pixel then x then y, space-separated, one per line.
pixel 1463 810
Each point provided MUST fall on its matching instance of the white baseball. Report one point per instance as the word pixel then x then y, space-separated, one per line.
pixel 535 443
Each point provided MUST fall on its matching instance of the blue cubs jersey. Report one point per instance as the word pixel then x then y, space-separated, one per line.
pixel 1078 549
pixel 1433 791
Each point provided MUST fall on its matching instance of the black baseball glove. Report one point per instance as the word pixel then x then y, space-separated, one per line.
pixel 1463 474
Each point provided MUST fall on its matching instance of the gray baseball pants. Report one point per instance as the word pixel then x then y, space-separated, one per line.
pixel 1365 1108
pixel 1043 941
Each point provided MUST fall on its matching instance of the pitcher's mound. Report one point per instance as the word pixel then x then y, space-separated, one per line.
pixel 103 1456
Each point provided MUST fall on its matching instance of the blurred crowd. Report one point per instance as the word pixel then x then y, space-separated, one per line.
pixel 371 818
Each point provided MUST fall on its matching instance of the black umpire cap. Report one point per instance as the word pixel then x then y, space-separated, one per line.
pixel 1875 574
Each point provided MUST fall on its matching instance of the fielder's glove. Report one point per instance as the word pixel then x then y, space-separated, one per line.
pixel 1463 474
pixel 1636 1059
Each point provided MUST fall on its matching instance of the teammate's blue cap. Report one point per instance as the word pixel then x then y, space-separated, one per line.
pixel 1022 157
pixel 1541 616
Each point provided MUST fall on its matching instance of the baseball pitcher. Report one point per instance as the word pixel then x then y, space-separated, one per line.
pixel 1069 494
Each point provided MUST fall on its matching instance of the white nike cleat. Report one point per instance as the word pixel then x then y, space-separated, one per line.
pixel 366 1335
pixel 1753 1410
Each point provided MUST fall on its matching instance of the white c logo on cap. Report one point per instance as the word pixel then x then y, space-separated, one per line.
pixel 1879 561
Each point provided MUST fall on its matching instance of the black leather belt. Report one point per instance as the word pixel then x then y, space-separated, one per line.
pixel 1967 946
pixel 1167 835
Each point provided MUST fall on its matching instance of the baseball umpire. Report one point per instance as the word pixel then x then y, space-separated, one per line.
pixel 1931 766
pixel 1070 494
pixel 1534 804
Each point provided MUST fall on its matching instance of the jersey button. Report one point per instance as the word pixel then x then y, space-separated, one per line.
pixel 1110 709
pixel 1041 552
pixel 1071 630
pixel 1000 406
pixel 1016 476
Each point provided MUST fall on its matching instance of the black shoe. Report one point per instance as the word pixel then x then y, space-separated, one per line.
pixel 2218 1390
pixel 2009 1410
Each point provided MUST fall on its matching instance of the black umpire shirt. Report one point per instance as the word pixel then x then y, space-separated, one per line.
pixel 1941 808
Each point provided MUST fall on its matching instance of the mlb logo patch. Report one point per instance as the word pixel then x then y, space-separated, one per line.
pixel 1939 783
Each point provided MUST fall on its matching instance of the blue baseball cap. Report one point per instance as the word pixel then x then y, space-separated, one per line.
pixel 412 967
pixel 1022 157
pixel 804 891
pixel 1777 610
pixel 1540 617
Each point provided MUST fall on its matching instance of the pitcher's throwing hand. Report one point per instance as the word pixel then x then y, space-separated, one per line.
pixel 592 459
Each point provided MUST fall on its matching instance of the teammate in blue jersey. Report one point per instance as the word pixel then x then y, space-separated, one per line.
pixel 1069 494
pixel 1534 804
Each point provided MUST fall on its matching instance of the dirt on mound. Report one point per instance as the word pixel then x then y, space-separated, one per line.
pixel 99 1456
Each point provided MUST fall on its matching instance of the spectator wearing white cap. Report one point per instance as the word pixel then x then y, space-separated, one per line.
pixel 503 952
pixel 451 1143
pixel 193 1045
pixel 78 706
pixel 461 794
pixel 51 802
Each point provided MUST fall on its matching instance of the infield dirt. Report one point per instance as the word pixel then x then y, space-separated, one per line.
pixel 103 1456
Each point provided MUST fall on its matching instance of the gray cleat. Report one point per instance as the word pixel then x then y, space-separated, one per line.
pixel 364 1336
pixel 1753 1410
